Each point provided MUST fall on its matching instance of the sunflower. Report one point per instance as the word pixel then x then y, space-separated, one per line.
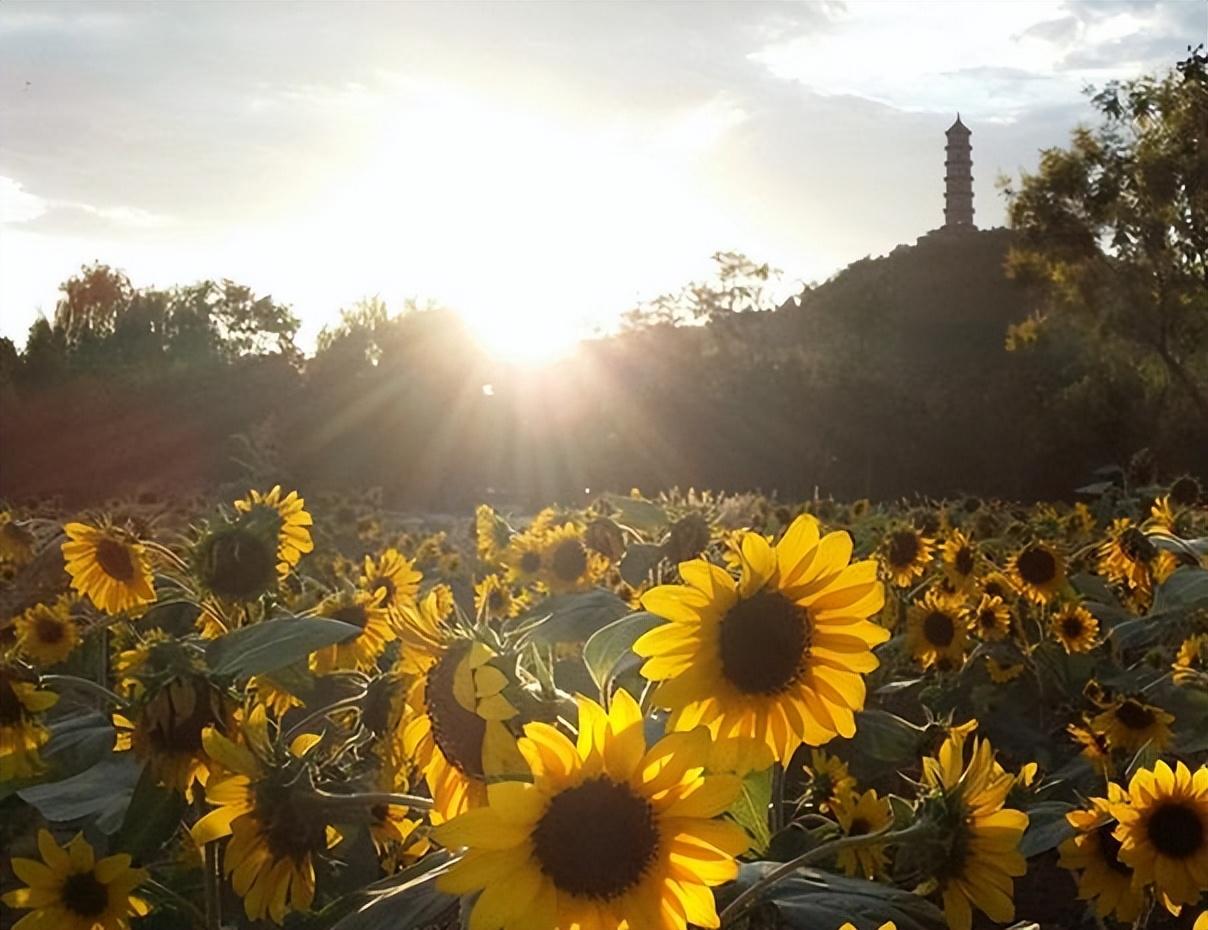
pixel 607 834
pixel 1094 747
pixel 1038 572
pixel 906 553
pixel 493 599
pixel 1075 628
pixel 1002 674
pixel 273 845
pixel 1125 556
pixel 1129 723
pixel 454 723
pixel 273 695
pixel 395 576
pixel 491 534
pixel 393 829
pixel 778 655
pixel 16 542
pixel 1094 854
pixel 523 557
pixel 961 560
pixel 566 563
pixel 292 520
pixel 996 584
pixel 990 619
pixel 21 733
pixel 46 633
pixel 164 728
pixel 237 561
pixel 70 889
pixel 977 855
pixel 1163 831
pixel 858 815
pixel 108 567
pixel 361 649
pixel 935 632
pixel 1191 661
pixel 829 780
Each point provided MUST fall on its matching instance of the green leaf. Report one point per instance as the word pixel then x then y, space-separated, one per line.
pixel 639 560
pixel 102 791
pixel 151 819
pixel 812 899
pixel 1047 828
pixel 273 644
pixel 1186 588
pixel 886 737
pixel 77 742
pixel 573 618
pixel 750 808
pixel 409 898
pixel 638 514
pixel 609 645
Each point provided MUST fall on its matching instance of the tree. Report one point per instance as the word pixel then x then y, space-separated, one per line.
pixel 1115 228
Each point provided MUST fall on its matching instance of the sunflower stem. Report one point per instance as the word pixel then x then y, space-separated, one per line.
pixel 83 684
pixel 777 818
pixel 745 901
pixel 213 891
pixel 370 799
pixel 179 900
pixel 322 712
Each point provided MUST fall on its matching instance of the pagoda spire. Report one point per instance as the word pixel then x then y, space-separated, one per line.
pixel 958 177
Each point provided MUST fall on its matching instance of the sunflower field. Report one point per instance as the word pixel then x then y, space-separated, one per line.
pixel 695 710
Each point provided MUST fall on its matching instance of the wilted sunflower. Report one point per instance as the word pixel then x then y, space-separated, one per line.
pixel 292 520
pixel 1038 571
pixel 566 563
pixel 1125 556
pixel 859 815
pixel 1163 831
pixel 935 632
pixel 778 655
pixel 1002 674
pixel 1094 747
pixel 47 633
pixel 961 560
pixel 990 619
pixel 978 853
pixel 108 567
pixel 906 553
pixel 273 845
pixel 608 833
pixel 393 830
pixel 1129 723
pixel 359 650
pixel 165 725
pixel 1191 661
pixel 21 732
pixel 829 780
pixel 70 889
pixel 16 542
pixel 454 725
pixel 1094 854
pixel 237 561
pixel 493 599
pixel 395 576
pixel 491 534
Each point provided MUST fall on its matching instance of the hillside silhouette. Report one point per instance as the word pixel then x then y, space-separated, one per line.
pixel 891 378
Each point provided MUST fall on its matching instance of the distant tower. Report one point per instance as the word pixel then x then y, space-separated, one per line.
pixel 958 178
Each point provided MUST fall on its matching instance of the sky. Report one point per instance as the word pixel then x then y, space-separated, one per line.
pixel 540 167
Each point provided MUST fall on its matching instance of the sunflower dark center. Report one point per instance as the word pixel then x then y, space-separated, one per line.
pixel 50 630
pixel 177 715
pixel 938 628
pixel 1135 716
pixel 764 642
pixel 114 559
pixel 238 564
pixel 1176 830
pixel 994 589
pixel 1109 849
pixel 1036 565
pixel 84 895
pixel 1071 626
pixel 1136 545
pixel 457 731
pixel 495 599
pixel 530 562
pixel 964 561
pixel 569 561
pixel 903 548
pixel 378 584
pixel 288 832
pixel 354 615
pixel 597 839
pixel 859 827
pixel 11 708
pixel 987 619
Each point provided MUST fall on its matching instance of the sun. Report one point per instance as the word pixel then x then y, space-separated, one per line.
pixel 528 335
